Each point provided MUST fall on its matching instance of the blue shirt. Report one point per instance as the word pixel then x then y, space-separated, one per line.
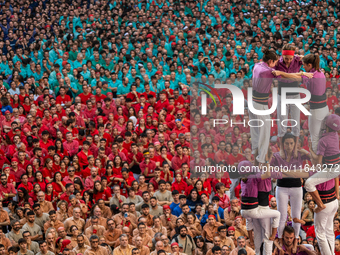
pixel 177 211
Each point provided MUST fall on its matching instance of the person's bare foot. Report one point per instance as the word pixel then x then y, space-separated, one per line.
pixel 296 220
pixel 272 237
pixel 319 209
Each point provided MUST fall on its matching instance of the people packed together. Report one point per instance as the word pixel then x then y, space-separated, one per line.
pixel 109 141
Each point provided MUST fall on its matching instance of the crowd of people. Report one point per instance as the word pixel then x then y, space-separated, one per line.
pixel 102 129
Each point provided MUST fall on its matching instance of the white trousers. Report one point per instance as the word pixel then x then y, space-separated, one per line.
pixel 261 212
pixel 234 183
pixel 324 232
pixel 262 232
pixel 294 114
pixel 315 123
pixel 321 177
pixel 295 196
pixel 260 135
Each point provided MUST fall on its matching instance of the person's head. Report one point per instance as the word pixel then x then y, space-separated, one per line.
pixel 52 215
pixel 288 51
pixel 311 61
pixel 183 231
pixel 139 241
pixel 175 248
pixel 337 245
pixel 241 242
pixel 159 246
pixel 26 235
pixel 216 250
pixel 80 240
pixel 76 213
pixel 94 241
pixel 288 141
pixel 61 232
pixel 242 252
pixel 273 202
pixel 41 196
pixel 142 228
pixel 123 239
pixel 288 236
pixel 22 244
pixel 270 57
pixel 135 251
pixel 43 246
pixel 30 216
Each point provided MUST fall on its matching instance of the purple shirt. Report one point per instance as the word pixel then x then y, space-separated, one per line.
pixel 294 163
pixel 317 84
pixel 328 144
pixel 325 185
pixel 297 251
pixel 250 188
pixel 294 66
pixel 265 185
pixel 262 77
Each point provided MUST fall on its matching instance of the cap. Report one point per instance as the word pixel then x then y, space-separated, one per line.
pixel 15 160
pixel 174 244
pixel 245 167
pixel 212 216
pixel 173 43
pixel 171 38
pixel 149 36
pixel 165 207
pixel 333 122
pixel 231 228
pixel 6 112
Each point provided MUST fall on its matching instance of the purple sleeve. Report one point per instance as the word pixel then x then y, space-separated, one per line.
pixel 274 161
pixel 276 175
pixel 321 148
pixel 300 61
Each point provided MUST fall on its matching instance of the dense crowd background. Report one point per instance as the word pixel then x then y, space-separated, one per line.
pixel 98 135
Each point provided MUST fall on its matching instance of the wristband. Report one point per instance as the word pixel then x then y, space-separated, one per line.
pixel 120 201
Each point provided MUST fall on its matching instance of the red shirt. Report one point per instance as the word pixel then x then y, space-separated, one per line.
pixel 83 158
pixel 57 188
pixel 151 167
pixel 63 100
pixel 100 98
pixel 181 187
pixel 106 195
pixel 46 145
pixel 231 160
pixel 177 162
pixel 84 97
pixel 160 105
pixel 28 187
pixel 47 173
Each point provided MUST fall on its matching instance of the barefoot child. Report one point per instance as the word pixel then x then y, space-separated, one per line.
pixel 324 184
pixel 257 216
